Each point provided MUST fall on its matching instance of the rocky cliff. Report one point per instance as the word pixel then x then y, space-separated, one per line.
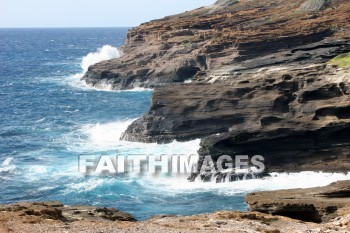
pixel 248 77
pixel 176 48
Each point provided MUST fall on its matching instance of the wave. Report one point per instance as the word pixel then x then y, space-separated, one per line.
pixel 104 139
pixel 7 162
pixel 80 84
pixel 277 181
pixel 105 53
pixel 97 138
pixel 170 186
pixel 6 166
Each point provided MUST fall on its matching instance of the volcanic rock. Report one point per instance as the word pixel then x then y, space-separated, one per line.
pixel 319 204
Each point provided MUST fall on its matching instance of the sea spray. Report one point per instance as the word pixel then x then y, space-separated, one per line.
pixel 105 53
pixel 106 137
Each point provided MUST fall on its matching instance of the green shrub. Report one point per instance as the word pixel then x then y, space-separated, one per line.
pixel 342 60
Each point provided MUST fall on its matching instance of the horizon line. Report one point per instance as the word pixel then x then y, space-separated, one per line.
pixel 68 27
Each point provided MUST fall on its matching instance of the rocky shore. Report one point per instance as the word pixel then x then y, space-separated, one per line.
pixel 322 209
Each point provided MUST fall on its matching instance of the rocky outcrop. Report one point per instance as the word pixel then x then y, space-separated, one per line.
pixel 315 5
pixel 213 104
pixel 19 218
pixel 277 97
pixel 296 116
pixel 176 48
pixel 36 212
pixel 314 204
pixel 257 80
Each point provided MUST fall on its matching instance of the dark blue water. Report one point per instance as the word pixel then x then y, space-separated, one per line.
pixel 48 118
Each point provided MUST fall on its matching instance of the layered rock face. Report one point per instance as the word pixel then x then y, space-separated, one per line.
pixel 275 97
pixel 260 81
pixel 176 48
pixel 297 117
pixel 319 204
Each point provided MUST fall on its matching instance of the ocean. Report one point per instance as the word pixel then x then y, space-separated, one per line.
pixel 48 117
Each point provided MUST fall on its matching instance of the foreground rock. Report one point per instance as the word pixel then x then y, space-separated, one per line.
pixel 36 212
pixel 58 219
pixel 320 204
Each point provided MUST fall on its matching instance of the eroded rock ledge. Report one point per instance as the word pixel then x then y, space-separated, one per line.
pixel 319 204
pixel 296 116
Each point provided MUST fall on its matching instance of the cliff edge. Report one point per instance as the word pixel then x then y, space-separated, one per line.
pixel 247 77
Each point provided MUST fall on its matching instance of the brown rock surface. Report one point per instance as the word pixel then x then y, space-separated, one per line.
pixel 36 212
pixel 14 220
pixel 313 204
pixel 176 48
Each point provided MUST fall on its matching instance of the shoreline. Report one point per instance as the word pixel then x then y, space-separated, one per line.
pixel 334 200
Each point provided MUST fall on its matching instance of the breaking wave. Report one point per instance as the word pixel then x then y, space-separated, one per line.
pixel 105 53
pixel 6 166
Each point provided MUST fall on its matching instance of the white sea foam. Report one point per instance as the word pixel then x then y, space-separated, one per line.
pixel 86 186
pixel 179 185
pixel 7 162
pixel 98 137
pixel 6 166
pixel 105 53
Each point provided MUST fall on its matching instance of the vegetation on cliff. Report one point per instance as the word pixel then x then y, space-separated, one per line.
pixel 342 60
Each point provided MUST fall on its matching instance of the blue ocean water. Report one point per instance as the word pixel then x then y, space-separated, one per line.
pixel 48 118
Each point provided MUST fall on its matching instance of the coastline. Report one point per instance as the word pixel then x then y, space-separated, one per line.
pixel 236 79
pixel 257 87
pixel 333 200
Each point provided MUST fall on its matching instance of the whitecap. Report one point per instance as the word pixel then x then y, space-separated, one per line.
pixel 7 161
pixel 97 138
pixel 105 53
pixel 6 166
